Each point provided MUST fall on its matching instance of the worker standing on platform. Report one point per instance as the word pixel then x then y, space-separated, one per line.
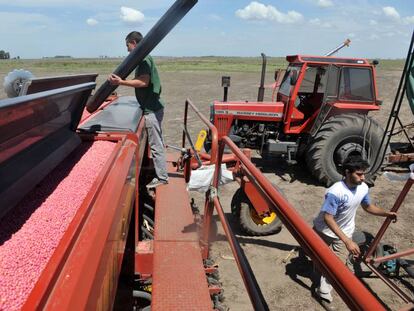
pixel 335 222
pixel 147 86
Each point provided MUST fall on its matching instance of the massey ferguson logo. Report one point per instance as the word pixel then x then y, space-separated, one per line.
pixel 250 113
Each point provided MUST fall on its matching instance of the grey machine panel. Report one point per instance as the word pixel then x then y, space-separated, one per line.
pixel 122 115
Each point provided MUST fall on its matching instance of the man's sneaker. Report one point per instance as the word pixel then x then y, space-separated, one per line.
pixel 156 182
pixel 325 303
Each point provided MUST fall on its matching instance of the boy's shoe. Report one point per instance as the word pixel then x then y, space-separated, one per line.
pixel 156 182
pixel 325 303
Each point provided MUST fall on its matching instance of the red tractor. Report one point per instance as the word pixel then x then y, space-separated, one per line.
pixel 320 115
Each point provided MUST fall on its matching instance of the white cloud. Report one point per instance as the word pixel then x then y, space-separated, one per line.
pixel 373 22
pixel 351 35
pixel 259 11
pixel 408 20
pixel 373 37
pixel 131 16
pixel 215 17
pixel 318 22
pixel 391 13
pixel 24 22
pixel 91 21
pixel 324 3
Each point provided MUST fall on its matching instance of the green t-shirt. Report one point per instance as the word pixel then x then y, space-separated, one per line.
pixel 149 97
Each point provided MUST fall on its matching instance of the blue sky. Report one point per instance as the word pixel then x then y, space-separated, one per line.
pixel 83 28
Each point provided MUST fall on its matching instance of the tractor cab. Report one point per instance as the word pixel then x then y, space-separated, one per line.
pixel 311 82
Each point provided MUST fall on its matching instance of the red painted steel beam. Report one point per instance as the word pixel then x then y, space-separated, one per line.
pixel 387 221
pixel 352 291
pixel 390 283
pixel 393 256
pixel 369 260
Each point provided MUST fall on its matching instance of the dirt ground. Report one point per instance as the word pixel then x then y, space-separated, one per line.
pixel 284 285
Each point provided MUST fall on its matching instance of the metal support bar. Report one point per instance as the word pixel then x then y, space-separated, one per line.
pixel 395 110
pixel 391 284
pixel 405 132
pixel 393 256
pixel 211 127
pixel 249 282
pixel 380 234
pixel 342 45
pixel 354 294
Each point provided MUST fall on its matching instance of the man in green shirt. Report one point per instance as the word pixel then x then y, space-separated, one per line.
pixel 147 91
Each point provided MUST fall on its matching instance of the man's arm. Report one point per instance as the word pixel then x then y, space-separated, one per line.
pixel 138 82
pixel 351 246
pixel 377 211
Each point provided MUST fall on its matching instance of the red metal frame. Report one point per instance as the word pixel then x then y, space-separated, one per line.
pixel 354 294
pixel 326 60
pixel 211 127
pixel 370 261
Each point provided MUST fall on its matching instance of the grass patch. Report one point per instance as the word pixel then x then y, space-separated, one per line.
pixel 165 64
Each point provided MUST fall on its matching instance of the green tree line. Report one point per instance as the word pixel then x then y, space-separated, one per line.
pixel 4 54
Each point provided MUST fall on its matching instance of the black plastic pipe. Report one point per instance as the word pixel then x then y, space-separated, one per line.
pixel 167 22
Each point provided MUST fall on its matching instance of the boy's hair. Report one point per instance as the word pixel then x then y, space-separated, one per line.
pixel 354 163
pixel 134 36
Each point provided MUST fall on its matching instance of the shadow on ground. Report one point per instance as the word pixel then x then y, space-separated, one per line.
pixel 287 172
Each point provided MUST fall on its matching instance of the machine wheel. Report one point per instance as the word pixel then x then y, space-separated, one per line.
pixel 250 221
pixel 341 136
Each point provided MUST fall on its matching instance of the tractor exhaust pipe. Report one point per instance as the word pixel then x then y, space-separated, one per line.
pixel 345 43
pixel 167 22
pixel 260 94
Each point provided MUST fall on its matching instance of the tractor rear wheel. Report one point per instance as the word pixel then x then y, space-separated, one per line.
pixel 341 136
pixel 251 222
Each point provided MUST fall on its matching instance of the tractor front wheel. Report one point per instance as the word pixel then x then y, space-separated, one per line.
pixel 341 136
pixel 250 221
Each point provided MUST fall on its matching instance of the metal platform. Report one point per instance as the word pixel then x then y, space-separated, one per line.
pixel 179 279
